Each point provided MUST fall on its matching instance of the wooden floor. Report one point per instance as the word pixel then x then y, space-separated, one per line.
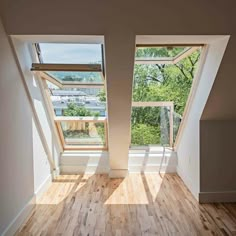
pixel 137 205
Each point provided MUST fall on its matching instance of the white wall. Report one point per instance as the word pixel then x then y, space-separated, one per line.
pixel 188 143
pixel 16 151
pixel 50 141
pixel 41 165
pixel 119 78
pixel 23 160
pixel 140 160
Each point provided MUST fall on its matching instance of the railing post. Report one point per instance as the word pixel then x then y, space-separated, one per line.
pixel 171 124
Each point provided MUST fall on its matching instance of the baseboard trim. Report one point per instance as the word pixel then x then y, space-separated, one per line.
pixel 118 173
pixel 210 197
pixel 79 169
pixel 43 187
pixel 188 182
pixel 21 217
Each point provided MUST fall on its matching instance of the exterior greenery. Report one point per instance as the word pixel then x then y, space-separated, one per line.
pixel 149 125
pixel 160 82
pixel 75 110
pixel 165 82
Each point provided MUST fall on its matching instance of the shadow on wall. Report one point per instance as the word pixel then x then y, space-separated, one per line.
pixel 46 147
pixel 34 89
pixel 152 159
pixel 140 204
pixel 16 146
pixel 22 152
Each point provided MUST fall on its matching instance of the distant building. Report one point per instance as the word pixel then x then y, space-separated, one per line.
pixel 61 99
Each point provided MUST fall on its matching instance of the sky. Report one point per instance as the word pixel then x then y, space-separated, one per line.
pixel 71 53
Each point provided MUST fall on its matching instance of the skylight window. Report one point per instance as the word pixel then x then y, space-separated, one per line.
pixel 63 53
pixel 163 75
pixel 73 75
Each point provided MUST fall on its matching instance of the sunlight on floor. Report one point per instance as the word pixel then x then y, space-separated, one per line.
pixel 140 204
pixel 136 189
pixel 63 186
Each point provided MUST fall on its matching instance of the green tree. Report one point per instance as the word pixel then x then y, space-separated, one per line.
pixel 143 134
pixel 168 82
pixel 75 110
pixel 102 95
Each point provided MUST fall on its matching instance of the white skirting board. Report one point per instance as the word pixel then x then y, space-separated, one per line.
pixel 25 212
pixel 188 182
pixel 43 187
pixel 84 169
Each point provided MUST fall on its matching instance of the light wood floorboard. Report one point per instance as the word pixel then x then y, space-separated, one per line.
pixel 140 204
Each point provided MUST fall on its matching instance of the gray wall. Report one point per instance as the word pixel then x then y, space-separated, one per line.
pixel 218 162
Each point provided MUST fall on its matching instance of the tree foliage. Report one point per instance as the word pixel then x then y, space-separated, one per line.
pixel 160 82
pixel 170 82
pixel 102 95
pixel 75 110
pixel 144 134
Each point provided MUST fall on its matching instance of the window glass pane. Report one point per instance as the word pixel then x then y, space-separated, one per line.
pixel 81 133
pixel 159 52
pixel 177 118
pixel 150 126
pixel 71 53
pixel 76 77
pixel 78 101
pixel 165 82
